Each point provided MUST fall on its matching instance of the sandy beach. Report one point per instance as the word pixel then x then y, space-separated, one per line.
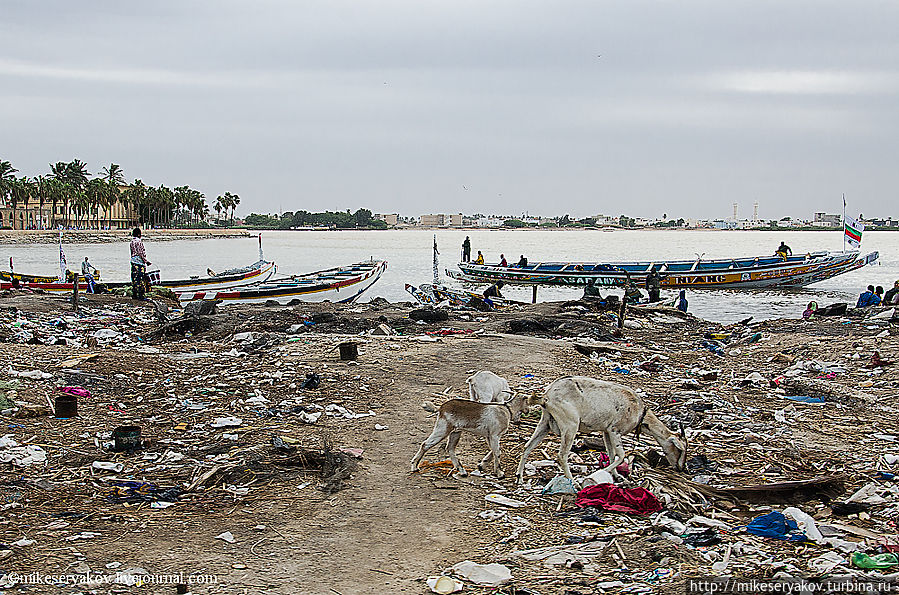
pixel 225 421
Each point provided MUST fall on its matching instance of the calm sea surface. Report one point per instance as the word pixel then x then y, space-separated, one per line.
pixel 409 255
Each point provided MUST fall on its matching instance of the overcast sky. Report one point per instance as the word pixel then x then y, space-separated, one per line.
pixel 421 106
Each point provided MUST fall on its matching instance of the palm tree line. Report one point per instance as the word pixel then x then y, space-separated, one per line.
pixel 85 199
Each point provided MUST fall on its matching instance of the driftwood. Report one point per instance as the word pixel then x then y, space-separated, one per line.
pixel 825 488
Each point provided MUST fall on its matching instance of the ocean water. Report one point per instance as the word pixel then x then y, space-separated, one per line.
pixel 410 259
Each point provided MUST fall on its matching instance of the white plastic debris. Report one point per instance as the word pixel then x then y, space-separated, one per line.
pixel 239 337
pixel 310 418
pixel 21 456
pixel 24 542
pixel 108 466
pixel 381 427
pixel 826 562
pixel 105 333
pixel 504 501
pixel 597 477
pixel 226 536
pixel 488 575
pixel 226 422
pixel 30 374
pixel 806 524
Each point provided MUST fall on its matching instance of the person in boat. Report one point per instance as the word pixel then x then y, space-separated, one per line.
pixel 783 251
pixel 892 295
pixel 522 262
pixel 653 285
pixel 210 272
pixel 493 292
pixel 502 260
pixel 591 291
pixel 466 250
pixel 479 259
pixel 139 264
pixel 88 271
pixel 868 298
pixel 682 300
pixel 810 311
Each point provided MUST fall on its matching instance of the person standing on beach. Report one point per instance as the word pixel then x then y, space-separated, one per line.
pixel 653 285
pixel 466 250
pixel 139 264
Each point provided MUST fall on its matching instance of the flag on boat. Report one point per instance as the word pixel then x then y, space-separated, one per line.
pixel 852 231
pixel 62 260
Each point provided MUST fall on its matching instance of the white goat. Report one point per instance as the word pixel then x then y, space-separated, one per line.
pixel 490 420
pixel 577 403
pixel 487 387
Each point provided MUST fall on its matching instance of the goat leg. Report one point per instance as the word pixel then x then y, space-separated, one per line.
pixel 536 438
pixel 451 451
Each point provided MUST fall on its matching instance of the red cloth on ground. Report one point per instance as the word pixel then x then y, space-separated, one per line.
pixel 608 496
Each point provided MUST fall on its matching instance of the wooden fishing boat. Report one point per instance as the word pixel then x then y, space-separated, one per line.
pixel 22 278
pixel 728 273
pixel 339 285
pixel 254 273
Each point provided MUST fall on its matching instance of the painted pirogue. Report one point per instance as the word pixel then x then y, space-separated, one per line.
pixel 727 273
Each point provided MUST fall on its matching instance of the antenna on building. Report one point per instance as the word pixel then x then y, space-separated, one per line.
pixel 735 211
pixel 755 211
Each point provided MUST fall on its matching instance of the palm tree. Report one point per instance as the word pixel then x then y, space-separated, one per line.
pixel 136 195
pixel 42 188
pixel 18 193
pixel 235 200
pixel 114 177
pixel 219 205
pixel 7 181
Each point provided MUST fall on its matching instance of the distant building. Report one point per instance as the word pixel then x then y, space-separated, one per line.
pixel 825 220
pixel 430 220
pixel 490 222
pixel 888 222
pixel 441 220
pixel 390 219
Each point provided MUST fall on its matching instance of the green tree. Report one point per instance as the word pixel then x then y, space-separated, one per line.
pixel 7 181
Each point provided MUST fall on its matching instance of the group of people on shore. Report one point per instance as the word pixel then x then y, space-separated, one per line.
pixel 875 296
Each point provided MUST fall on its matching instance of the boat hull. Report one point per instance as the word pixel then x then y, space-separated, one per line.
pixel 339 285
pixel 254 273
pixel 746 273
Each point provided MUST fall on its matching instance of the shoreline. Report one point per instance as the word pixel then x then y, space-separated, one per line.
pixel 105 236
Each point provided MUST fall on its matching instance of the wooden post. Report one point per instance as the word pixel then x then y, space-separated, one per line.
pixel 534 295
pixel 75 293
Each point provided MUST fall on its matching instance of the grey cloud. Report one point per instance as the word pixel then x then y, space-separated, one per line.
pixel 395 105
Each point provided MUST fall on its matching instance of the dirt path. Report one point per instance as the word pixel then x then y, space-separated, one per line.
pixel 396 522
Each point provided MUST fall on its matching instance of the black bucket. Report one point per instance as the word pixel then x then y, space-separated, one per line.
pixel 126 438
pixel 66 406
pixel 348 351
